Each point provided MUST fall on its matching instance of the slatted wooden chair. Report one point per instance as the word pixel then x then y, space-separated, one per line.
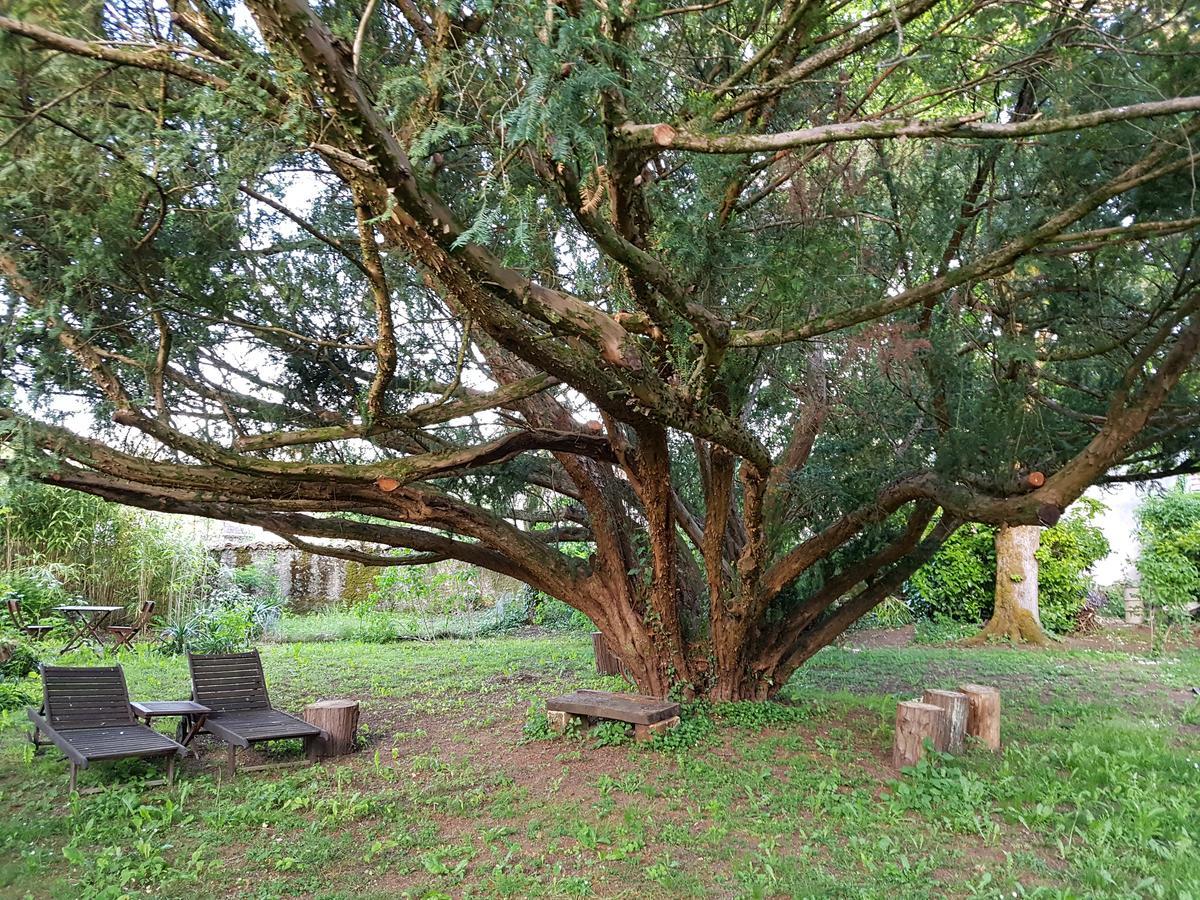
pixel 85 713
pixel 34 630
pixel 232 685
pixel 125 635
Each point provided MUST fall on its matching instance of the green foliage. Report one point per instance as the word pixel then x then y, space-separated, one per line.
pixel 427 598
pixel 242 606
pixel 62 543
pixel 1169 533
pixel 959 583
pixel 38 588
pixel 368 624
pixel 554 615
pixel 18 658
pixel 19 684
pixel 19 693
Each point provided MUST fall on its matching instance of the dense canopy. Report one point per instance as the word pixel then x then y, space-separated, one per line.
pixel 713 320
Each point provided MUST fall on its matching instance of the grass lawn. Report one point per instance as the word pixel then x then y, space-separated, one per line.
pixel 458 793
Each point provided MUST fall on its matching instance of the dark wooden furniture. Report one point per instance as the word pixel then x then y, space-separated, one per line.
pixel 33 629
pixel 648 715
pixel 125 635
pixel 86 714
pixel 87 624
pixel 232 686
pixel 191 715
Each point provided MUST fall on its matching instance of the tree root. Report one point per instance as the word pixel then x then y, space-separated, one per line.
pixel 1016 625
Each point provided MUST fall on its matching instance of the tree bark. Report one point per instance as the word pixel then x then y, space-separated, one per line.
pixel 983 714
pixel 339 720
pixel 956 707
pixel 1016 612
pixel 916 721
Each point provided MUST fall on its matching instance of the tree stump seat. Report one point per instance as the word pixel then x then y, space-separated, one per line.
pixel 648 715
pixel 338 721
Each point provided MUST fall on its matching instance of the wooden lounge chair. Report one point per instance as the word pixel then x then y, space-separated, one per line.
pixel 125 635
pixel 233 687
pixel 85 713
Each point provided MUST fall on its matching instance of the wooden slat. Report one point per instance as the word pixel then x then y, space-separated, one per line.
pixel 82 697
pixel 634 708
pixel 229 682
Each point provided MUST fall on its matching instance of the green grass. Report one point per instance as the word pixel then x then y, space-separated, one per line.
pixel 460 793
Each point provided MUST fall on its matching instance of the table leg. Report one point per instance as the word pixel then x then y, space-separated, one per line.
pixel 195 723
pixel 78 639
pixel 93 626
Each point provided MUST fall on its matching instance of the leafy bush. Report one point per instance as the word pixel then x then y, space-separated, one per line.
pixel 39 588
pixel 18 693
pixel 232 620
pixel 1169 533
pixel 19 686
pixel 18 658
pixel 363 622
pixel 427 598
pixel 959 583
pixel 554 615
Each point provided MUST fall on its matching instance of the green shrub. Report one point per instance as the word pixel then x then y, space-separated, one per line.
pixel 231 621
pixel 1169 533
pixel 959 583
pixel 555 615
pixel 18 658
pixel 39 588
pixel 18 693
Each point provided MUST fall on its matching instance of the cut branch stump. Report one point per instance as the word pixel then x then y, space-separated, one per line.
pixel 916 721
pixel 956 706
pixel 983 715
pixel 339 720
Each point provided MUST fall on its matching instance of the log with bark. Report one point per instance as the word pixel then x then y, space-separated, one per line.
pixel 956 707
pixel 339 720
pixel 983 714
pixel 917 722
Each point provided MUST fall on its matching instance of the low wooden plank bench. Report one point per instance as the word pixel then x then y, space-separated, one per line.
pixel 648 715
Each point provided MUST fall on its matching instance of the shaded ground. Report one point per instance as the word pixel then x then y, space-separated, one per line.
pixel 449 798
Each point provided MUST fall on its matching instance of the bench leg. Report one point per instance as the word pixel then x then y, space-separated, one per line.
pixel 71 784
pixel 646 732
pixel 558 720
pixel 171 770
pixel 231 762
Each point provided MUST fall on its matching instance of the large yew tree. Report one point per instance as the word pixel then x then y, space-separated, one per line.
pixel 754 301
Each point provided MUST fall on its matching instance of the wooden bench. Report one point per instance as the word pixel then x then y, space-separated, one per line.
pixel 648 715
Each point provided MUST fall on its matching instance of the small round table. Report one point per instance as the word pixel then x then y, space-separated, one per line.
pixel 191 715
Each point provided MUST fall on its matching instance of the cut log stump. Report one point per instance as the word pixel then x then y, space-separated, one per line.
pixel 983 715
pixel 339 720
pixel 956 706
pixel 916 721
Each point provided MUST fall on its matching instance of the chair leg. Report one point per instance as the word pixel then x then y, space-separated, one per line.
pixel 231 765
pixel 74 773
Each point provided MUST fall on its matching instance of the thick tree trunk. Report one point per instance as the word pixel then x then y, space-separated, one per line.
pixel 1016 614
